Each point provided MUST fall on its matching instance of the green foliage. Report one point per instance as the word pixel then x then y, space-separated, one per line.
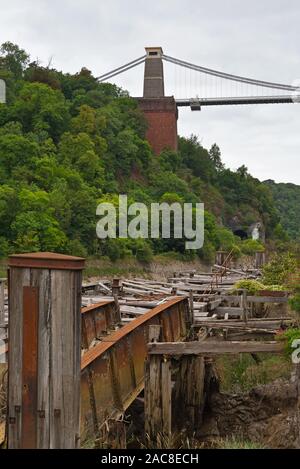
pixel 13 59
pixel 4 247
pixel 252 286
pixel 238 443
pixel 251 246
pixel 241 372
pixel 144 253
pixel 295 302
pixel 279 268
pixel 288 338
pixel 68 142
pixel 75 248
pixel 287 199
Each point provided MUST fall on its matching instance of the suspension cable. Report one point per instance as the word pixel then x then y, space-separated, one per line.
pixel 228 76
pixel 121 69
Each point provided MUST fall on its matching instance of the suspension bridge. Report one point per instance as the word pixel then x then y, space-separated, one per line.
pixel 206 87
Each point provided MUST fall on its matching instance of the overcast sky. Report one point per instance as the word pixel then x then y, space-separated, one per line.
pixel 259 38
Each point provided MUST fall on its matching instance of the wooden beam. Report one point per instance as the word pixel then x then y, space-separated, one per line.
pixel 267 299
pixel 201 321
pixel 213 347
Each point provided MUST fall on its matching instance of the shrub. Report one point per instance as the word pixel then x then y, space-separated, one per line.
pixel 75 248
pixel 144 253
pixel 295 302
pixel 288 337
pixel 279 268
pixel 4 247
pixel 252 286
pixel 251 246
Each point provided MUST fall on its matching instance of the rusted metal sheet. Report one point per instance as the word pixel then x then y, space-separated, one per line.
pixel 46 260
pixel 29 368
pixel 97 320
pixel 113 370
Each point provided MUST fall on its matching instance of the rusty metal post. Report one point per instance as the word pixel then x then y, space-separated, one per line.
pixel 44 350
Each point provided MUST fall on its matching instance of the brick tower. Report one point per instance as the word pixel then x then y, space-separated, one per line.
pixel 160 110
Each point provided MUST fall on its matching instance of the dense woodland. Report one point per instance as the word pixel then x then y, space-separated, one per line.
pixel 68 142
pixel 287 199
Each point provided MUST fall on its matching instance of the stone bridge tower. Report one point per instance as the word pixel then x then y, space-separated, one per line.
pixel 160 110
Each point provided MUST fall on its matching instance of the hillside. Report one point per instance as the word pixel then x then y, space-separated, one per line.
pixel 287 200
pixel 68 142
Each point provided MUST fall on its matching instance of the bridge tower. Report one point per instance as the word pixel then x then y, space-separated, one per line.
pixel 160 110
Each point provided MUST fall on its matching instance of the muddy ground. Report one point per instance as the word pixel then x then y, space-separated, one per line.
pixel 267 415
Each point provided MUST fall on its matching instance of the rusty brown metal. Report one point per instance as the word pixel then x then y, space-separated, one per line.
pixel 29 367
pixel 112 372
pixel 97 320
pixel 46 260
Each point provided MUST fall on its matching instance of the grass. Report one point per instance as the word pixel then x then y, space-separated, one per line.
pixel 241 373
pixel 111 271
pixel 237 443
pixel 3 268
pixel 175 441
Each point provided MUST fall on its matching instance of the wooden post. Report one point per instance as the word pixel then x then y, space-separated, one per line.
pixel 191 304
pixel 116 287
pixel 189 392
pixel 244 305
pixel 2 309
pixel 44 350
pixel 260 259
pixel 157 392
pixel 118 316
pixel 220 257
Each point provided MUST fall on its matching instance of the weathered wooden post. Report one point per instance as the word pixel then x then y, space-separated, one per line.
pixel 220 257
pixel 2 308
pixel 244 305
pixel 44 350
pixel 191 305
pixel 189 389
pixel 157 392
pixel 116 288
pixel 260 259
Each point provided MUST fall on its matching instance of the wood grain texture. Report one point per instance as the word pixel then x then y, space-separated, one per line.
pixel 29 367
pixel 18 279
pixel 213 347
pixel 65 359
pixel 42 279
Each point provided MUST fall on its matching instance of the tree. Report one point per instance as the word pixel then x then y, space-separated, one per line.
pixel 13 58
pixel 38 107
pixel 215 156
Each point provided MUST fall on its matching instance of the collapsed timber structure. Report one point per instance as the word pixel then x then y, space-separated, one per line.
pixel 110 340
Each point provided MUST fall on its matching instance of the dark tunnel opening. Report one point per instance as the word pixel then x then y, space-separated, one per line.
pixel 241 234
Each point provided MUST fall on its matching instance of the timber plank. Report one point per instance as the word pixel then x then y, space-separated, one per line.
pixel 212 347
